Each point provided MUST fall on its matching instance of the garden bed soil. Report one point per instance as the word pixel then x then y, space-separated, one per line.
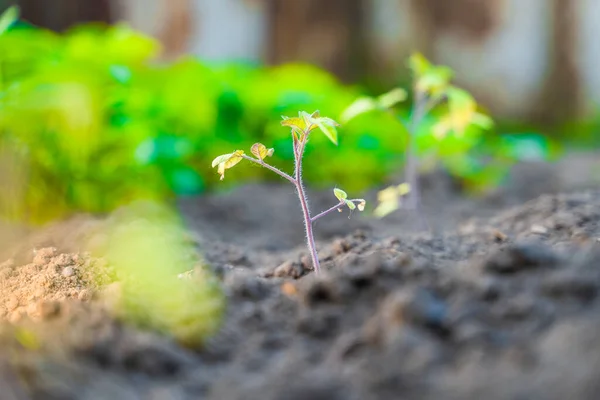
pixel 499 299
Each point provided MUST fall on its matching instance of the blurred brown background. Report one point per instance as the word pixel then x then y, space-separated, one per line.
pixel 528 59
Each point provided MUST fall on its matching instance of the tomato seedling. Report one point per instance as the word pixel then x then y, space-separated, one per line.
pixel 431 88
pixel 301 128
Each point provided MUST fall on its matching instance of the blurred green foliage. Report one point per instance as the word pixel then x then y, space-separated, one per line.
pixel 162 282
pixel 91 120
pixel 451 130
pixel 479 160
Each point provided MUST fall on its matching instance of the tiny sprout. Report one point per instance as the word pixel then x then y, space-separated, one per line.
pixel 301 127
pixel 351 204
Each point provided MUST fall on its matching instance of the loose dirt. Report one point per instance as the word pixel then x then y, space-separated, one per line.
pixel 498 301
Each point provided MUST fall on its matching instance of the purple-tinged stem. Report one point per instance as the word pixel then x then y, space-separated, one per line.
pixel 337 206
pixel 322 214
pixel 310 238
pixel 272 168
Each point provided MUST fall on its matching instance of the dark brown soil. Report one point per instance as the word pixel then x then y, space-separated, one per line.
pixel 500 300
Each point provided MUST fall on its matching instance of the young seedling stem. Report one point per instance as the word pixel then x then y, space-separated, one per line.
pixel 301 127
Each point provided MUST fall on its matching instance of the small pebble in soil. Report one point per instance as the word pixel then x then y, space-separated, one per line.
pixel 306 262
pixel 68 272
pixel 289 269
pixel 520 256
pixel 289 289
pixel 539 229
pixel 498 236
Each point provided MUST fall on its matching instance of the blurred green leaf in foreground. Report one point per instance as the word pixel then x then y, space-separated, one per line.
pixel 163 284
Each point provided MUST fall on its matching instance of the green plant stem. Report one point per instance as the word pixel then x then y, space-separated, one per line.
pixel 272 168
pixel 310 238
pixel 333 208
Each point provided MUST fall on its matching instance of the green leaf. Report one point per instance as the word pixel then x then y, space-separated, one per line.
pixel 8 18
pixel 462 113
pixel 302 124
pixel 227 161
pixel 27 339
pixel 365 104
pixel 121 73
pixel 419 64
pixel 310 119
pixel 358 107
pixel 403 189
pixel 483 121
pixel 340 194
pixel 389 199
pixel 294 123
pixel 350 204
pixel 459 99
pixel 429 78
pixel 391 98
pixel 328 127
pixel 306 122
pixel 385 208
pixel 260 151
pixel 434 81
